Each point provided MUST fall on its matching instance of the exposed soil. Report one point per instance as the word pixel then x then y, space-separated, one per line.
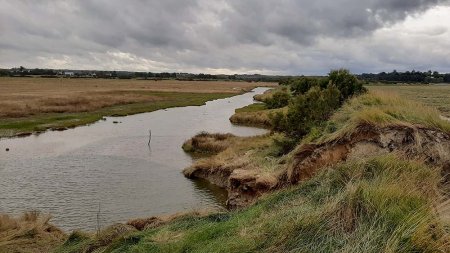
pixel 412 142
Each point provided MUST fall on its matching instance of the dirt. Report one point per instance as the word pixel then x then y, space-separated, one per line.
pixel 245 185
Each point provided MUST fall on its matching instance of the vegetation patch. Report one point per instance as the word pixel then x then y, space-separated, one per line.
pixel 31 232
pixel 206 143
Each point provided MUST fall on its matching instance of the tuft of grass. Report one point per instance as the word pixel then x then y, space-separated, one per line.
pixel 379 205
pixel 30 232
pixel 206 143
pixel 256 115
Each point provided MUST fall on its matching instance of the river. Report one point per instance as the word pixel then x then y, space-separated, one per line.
pixel 71 174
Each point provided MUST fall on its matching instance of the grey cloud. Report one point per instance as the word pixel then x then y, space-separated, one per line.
pixel 197 35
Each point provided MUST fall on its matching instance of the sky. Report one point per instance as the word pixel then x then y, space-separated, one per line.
pixel 286 37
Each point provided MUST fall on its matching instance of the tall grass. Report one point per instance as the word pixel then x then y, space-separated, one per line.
pixel 30 232
pixel 382 109
pixel 207 143
pixel 380 205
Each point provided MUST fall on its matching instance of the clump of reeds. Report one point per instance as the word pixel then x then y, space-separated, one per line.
pixel 30 230
pixel 207 143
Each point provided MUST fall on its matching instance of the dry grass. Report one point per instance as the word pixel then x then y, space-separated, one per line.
pixel 378 205
pixel 383 109
pixel 252 154
pixel 207 143
pixel 437 96
pixel 29 96
pixel 255 118
pixel 30 232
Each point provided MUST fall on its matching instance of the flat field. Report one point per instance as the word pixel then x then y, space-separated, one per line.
pixel 437 96
pixel 36 104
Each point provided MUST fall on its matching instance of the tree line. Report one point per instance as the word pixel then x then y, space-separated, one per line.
pixel 406 77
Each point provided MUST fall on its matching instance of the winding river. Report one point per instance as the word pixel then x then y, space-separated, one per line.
pixel 109 166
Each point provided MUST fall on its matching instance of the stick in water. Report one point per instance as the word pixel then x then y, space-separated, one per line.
pixel 149 136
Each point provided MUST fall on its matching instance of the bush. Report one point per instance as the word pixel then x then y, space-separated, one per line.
pixel 307 111
pixel 278 100
pixel 314 102
pixel 347 83
pixel 302 85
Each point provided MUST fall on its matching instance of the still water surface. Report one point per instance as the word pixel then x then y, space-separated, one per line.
pixel 70 173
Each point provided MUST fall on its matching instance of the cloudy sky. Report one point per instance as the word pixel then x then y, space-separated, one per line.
pixel 227 36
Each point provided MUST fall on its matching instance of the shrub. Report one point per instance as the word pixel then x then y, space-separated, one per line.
pixel 347 83
pixel 302 85
pixel 307 111
pixel 278 100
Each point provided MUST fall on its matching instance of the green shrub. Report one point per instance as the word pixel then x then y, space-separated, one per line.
pixel 278 100
pixel 302 85
pixel 347 83
pixel 307 111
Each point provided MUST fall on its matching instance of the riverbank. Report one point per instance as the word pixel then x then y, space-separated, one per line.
pixel 372 178
pixel 375 201
pixel 31 105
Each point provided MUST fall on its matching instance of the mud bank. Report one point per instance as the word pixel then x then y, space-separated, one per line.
pixel 245 184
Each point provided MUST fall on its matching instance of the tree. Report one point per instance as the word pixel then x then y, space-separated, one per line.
pixel 347 83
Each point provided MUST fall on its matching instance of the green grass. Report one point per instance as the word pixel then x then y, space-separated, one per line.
pixel 256 107
pixel 16 126
pixel 380 205
pixel 380 109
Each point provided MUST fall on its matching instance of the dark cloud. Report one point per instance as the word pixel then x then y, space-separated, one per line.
pixel 282 36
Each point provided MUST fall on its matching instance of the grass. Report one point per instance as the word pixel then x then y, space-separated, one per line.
pixel 35 104
pixel 30 232
pixel 381 109
pixel 380 205
pixel 206 143
pixel 437 96
pixel 14 126
pixel 256 115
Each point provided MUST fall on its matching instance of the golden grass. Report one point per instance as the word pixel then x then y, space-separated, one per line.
pixel 207 143
pixel 30 232
pixel 21 97
pixel 437 96
pixel 383 109
pixel 252 154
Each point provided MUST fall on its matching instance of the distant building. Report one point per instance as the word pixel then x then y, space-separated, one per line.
pixel 69 74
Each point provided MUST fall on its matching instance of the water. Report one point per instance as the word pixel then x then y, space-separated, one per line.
pixel 70 173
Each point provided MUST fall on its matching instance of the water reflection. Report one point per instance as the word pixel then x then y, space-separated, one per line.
pixel 70 173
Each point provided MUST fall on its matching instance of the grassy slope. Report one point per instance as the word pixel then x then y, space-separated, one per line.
pixel 381 205
pixel 381 109
pixel 384 204
pixel 14 126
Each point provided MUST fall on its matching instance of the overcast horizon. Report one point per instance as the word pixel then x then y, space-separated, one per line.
pixel 285 37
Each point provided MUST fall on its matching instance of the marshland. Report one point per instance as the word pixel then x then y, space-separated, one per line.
pixel 366 164
pixel 225 126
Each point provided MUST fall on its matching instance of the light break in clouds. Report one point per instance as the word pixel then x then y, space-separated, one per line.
pixel 226 36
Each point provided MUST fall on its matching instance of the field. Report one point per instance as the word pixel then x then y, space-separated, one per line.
pixel 437 96
pixel 36 104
